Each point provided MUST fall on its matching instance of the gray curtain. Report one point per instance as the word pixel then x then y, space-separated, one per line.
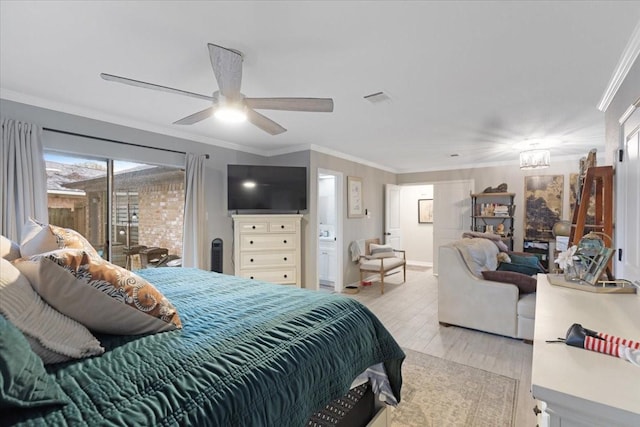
pixel 24 179
pixel 194 244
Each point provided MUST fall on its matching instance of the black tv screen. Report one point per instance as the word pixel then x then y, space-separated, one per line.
pixel 280 189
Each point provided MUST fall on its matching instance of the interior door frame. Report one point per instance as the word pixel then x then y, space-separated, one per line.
pixel 629 126
pixel 392 234
pixel 470 183
pixel 339 239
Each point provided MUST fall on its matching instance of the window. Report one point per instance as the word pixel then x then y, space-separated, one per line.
pixel 147 206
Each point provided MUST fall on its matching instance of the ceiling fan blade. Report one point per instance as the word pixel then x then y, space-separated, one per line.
pixel 196 117
pixel 291 104
pixel 227 67
pixel 264 123
pixel 138 83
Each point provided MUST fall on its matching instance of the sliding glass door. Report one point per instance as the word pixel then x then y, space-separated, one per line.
pixel 146 203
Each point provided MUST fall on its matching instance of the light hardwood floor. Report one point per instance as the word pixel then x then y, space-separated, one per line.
pixel 410 312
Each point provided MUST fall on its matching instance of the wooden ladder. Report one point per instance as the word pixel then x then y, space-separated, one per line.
pixel 602 178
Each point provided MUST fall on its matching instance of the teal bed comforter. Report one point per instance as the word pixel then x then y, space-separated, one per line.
pixel 250 354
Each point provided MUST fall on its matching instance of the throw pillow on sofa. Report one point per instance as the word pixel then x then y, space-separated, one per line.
pixel 518 268
pixel 526 284
pixel 531 260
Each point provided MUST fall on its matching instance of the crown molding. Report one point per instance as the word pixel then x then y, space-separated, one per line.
pixel 351 158
pixel 35 101
pixel 629 56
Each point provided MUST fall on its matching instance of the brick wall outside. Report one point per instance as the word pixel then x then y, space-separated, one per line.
pixel 161 212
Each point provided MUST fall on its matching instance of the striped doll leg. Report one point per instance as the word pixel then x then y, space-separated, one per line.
pixel 615 346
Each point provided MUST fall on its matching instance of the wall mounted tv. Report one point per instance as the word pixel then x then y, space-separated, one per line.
pixel 266 189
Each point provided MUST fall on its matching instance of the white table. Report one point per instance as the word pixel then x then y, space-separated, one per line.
pixel 582 387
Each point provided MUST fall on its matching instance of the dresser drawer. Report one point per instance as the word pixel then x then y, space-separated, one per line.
pixel 283 276
pixel 268 259
pixel 282 226
pixel 253 227
pixel 250 242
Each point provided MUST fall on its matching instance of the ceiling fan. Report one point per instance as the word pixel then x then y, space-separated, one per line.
pixel 228 101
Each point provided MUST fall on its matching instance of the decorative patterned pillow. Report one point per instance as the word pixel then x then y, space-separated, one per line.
pixel 9 249
pixel 526 284
pixel 52 335
pixel 102 296
pixel 40 238
pixel 381 251
pixel 24 383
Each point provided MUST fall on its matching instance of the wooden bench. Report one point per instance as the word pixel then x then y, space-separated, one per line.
pixel 382 266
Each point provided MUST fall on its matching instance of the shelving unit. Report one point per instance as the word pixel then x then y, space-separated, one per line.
pixel 489 210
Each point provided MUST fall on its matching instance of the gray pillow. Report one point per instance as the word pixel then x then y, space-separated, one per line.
pixel 55 337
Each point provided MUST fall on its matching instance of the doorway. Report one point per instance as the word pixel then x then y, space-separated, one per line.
pixel 329 230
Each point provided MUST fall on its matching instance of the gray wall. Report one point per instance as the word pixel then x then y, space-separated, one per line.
pixel 373 181
pixel 219 221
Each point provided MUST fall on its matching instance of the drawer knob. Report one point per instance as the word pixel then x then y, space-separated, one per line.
pixel 285 258
pixel 285 241
pixel 253 226
pixel 251 277
pixel 251 260
pixel 251 242
pixel 285 276
pixel 282 226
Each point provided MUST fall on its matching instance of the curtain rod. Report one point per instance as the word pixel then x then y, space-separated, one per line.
pixel 113 140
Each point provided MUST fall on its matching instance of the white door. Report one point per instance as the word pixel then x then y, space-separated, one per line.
pixel 451 214
pixel 628 205
pixel 392 235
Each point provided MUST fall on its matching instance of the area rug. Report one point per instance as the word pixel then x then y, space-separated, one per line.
pixel 438 392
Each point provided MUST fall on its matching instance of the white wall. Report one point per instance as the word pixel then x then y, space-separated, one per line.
pixel 417 239
pixel 512 175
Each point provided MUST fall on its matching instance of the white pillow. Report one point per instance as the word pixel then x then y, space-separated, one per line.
pixel 39 238
pixel 102 296
pixel 52 335
pixel 381 251
pixel 9 249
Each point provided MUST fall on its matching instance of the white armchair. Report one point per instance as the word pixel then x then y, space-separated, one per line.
pixel 383 262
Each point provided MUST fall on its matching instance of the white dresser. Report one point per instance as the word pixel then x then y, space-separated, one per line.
pixel 268 248
pixel 582 387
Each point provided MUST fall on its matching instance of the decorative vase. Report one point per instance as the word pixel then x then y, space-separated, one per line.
pixel 575 272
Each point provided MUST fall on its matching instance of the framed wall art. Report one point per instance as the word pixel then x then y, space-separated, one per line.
pixel 355 207
pixel 425 211
pixel 543 200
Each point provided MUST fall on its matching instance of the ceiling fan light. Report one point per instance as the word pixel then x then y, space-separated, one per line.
pixel 230 115
pixel 535 159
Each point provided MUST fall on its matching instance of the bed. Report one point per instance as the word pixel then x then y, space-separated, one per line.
pixel 249 354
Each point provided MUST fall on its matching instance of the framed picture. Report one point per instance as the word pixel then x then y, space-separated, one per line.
pixel 354 197
pixel 425 211
pixel 543 205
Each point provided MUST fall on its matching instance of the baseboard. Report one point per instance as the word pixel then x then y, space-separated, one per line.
pixel 420 263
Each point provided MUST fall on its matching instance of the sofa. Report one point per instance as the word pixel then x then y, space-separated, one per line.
pixel 466 298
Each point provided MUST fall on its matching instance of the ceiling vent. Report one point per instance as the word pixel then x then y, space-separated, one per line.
pixel 377 97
